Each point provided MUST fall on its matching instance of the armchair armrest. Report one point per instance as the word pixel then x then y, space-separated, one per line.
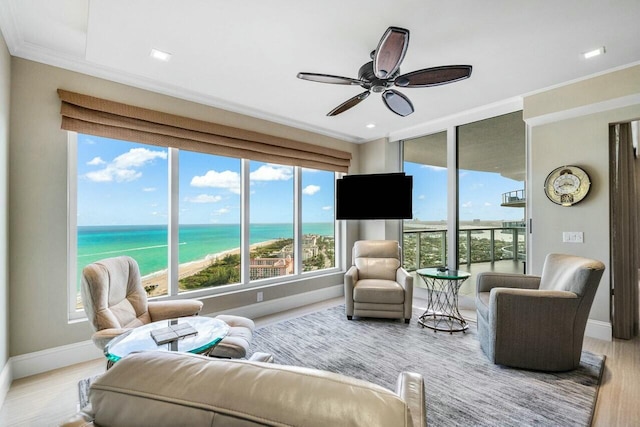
pixel 404 278
pixel 486 281
pixel 161 310
pixel 350 279
pixel 533 310
pixel 406 281
pixel 101 338
pixel 410 388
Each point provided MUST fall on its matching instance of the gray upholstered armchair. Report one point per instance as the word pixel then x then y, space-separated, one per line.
pixel 376 285
pixel 115 301
pixel 537 322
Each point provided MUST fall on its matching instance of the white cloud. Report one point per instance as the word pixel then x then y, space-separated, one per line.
pixel 96 161
pixel 433 168
pixel 272 173
pixel 310 190
pixel 221 211
pixel 123 168
pixel 487 204
pixel 226 179
pixel 467 205
pixel 137 157
pixel 327 208
pixel 421 197
pixel 149 189
pixel 203 198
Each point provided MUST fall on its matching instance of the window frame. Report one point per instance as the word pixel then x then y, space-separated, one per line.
pixel 173 166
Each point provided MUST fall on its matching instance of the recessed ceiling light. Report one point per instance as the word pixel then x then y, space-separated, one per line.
pixel 160 55
pixel 594 52
pixel 371 125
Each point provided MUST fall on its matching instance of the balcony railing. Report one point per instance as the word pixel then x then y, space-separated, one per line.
pixel 428 248
pixel 514 199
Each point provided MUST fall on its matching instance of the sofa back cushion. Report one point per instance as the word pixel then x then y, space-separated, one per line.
pixel 167 389
pixel 376 259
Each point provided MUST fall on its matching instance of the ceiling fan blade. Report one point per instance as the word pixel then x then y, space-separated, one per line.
pixel 397 102
pixel 390 52
pixel 327 78
pixel 352 102
pixel 434 76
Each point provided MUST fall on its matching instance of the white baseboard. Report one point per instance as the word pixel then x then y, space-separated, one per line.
pixel 37 362
pixel 266 308
pixel 599 330
pixel 5 381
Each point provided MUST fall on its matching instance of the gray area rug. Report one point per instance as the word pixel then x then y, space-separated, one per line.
pixel 462 387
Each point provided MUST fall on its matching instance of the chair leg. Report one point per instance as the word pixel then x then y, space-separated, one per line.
pixel 349 317
pixel 406 320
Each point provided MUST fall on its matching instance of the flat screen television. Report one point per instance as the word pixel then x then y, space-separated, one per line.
pixel 374 196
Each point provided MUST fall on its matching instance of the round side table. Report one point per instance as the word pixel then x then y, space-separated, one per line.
pixel 442 312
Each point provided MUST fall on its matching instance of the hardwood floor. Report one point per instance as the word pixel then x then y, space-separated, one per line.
pixel 47 399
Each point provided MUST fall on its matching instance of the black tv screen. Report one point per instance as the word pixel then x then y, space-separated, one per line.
pixel 374 196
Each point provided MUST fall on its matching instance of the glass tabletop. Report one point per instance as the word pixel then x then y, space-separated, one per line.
pixel 210 332
pixel 446 274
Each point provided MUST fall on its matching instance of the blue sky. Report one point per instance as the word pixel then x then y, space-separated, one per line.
pixel 480 194
pixel 124 183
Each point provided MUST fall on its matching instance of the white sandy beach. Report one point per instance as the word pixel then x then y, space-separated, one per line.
pixel 190 268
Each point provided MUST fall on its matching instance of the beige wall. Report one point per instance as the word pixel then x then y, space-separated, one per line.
pixel 38 200
pixel 5 84
pixel 380 156
pixel 570 126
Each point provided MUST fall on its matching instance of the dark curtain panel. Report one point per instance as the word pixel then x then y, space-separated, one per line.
pixel 624 232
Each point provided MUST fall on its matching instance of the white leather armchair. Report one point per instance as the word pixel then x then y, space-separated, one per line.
pixel 115 301
pixel 376 285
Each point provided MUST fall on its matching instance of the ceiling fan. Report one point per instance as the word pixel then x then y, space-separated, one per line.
pixel 383 72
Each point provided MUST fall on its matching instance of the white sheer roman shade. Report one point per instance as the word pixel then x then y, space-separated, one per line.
pixel 101 117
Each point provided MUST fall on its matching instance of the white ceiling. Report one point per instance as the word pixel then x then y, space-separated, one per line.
pixel 243 56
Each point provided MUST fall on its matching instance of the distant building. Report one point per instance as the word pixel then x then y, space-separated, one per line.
pixel 262 268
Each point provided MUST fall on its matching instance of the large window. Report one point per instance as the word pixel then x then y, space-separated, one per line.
pixel 318 227
pixel 468 199
pixel 130 198
pixel 424 240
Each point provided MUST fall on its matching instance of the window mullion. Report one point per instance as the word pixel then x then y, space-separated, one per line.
pixel 244 221
pixel 297 219
pixel 452 192
pixel 173 221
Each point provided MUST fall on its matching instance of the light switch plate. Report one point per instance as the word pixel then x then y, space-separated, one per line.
pixel 572 236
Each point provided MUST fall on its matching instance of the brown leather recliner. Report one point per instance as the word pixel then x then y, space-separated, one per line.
pixel 376 285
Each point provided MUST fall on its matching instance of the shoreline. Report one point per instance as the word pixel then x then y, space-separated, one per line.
pixel 159 279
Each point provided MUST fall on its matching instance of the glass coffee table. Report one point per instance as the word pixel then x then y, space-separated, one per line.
pixel 442 312
pixel 209 333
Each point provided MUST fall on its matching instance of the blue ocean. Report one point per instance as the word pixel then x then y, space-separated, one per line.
pixel 147 244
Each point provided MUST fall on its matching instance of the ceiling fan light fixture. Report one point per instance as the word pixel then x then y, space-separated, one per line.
pixel 160 55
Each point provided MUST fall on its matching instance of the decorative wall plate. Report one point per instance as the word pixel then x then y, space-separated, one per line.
pixel 567 185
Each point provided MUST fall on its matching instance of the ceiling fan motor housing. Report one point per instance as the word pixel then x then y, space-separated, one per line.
pixel 372 82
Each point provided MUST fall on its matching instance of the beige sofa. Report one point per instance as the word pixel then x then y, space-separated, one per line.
pixel 179 389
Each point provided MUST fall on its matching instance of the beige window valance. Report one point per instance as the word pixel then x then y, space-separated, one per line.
pixel 101 117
